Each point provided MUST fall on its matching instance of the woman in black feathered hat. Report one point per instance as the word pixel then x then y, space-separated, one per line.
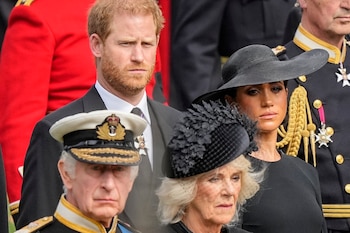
pixel 208 177
pixel 289 200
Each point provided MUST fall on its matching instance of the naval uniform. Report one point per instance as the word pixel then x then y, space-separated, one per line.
pixel 68 219
pixel 328 93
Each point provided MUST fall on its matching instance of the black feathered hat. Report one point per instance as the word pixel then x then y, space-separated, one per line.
pixel 207 137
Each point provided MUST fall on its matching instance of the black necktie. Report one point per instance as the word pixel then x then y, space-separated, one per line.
pixel 138 112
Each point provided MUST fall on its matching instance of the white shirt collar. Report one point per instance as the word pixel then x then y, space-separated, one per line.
pixel 113 102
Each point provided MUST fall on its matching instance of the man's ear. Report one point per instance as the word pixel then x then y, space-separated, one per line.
pixel 66 178
pixel 96 45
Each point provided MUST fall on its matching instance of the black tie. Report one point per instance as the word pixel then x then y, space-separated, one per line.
pixel 138 112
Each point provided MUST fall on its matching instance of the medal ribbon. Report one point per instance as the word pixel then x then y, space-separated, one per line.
pixel 322 116
pixel 324 135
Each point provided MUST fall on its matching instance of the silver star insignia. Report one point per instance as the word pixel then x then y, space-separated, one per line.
pixel 323 138
pixel 343 76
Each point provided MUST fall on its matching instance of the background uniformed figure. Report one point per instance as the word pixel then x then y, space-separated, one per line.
pixel 324 99
pixel 98 166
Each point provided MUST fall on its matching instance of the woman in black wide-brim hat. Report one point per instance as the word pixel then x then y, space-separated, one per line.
pixel 255 79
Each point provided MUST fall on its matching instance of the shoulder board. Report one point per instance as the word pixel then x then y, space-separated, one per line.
pixel 36 225
pixel 24 2
pixel 279 50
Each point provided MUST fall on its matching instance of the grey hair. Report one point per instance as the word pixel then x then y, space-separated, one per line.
pixel 176 194
pixel 69 164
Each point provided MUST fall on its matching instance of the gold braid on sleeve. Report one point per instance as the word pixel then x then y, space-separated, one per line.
pixel 300 126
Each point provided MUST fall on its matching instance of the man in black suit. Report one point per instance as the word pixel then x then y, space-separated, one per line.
pixel 123 38
pixel 205 30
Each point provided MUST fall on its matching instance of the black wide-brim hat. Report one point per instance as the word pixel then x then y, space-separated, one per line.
pixel 101 137
pixel 258 64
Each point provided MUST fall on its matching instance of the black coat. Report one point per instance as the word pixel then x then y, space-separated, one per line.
pixel 288 201
pixel 179 227
pixel 42 186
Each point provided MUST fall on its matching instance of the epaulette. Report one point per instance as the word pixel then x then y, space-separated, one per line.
pixel 279 50
pixel 36 225
pixel 24 2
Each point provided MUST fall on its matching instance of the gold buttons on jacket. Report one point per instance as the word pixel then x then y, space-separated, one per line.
pixel 329 131
pixel 302 78
pixel 347 188
pixel 339 159
pixel 317 104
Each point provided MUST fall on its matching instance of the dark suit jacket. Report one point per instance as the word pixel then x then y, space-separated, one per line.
pixel 42 185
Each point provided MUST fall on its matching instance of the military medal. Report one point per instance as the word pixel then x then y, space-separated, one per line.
pixel 323 137
pixel 140 145
pixel 324 133
pixel 140 140
pixel 342 75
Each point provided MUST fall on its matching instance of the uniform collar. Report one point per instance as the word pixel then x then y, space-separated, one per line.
pixel 306 41
pixel 71 217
